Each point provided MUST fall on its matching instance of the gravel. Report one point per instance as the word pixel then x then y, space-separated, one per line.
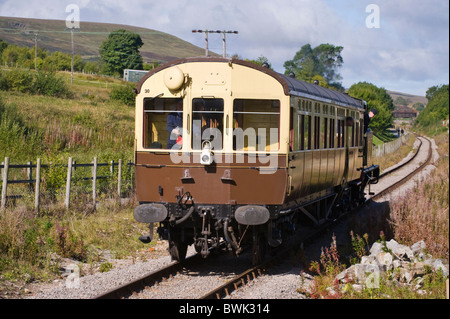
pixel 93 285
pixel 280 282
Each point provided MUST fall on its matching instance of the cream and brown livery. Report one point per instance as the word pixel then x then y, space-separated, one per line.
pixel 229 151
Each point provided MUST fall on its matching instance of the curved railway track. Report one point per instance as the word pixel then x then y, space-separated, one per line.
pixel 223 286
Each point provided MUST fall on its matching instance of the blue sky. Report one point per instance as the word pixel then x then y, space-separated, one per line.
pixel 409 52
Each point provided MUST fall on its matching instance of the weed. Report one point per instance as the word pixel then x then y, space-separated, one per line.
pixel 105 267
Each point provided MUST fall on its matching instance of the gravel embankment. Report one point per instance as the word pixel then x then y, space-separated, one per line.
pixel 280 282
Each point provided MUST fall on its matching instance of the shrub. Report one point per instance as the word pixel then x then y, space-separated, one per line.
pixel 16 80
pixel 42 83
pixel 123 94
pixel 51 85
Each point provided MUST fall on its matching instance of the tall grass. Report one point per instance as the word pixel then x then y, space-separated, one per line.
pixel 423 212
pixel 38 120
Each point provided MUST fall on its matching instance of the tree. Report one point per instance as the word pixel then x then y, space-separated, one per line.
pixel 3 45
pixel 121 51
pixel 323 60
pixel 378 99
pixel 401 101
pixel 62 62
pixel 262 60
pixel 437 109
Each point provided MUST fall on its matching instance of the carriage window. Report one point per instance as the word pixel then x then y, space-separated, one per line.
pixel 163 122
pixel 305 132
pixel 316 132
pixel 332 134
pixel 207 122
pixel 324 132
pixel 253 122
pixel 341 133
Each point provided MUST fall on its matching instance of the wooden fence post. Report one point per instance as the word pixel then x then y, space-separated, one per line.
pixel 69 176
pixel 5 183
pixel 119 179
pixel 30 175
pixel 37 189
pixel 94 182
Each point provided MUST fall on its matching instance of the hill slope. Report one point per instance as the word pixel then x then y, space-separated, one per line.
pixel 52 36
pixel 412 98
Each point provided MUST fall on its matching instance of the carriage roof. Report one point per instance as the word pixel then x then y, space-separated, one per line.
pixel 291 86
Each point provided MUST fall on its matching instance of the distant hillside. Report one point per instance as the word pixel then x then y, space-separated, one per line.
pixel 412 98
pixel 52 36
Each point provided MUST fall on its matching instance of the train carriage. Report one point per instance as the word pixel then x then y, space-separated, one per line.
pixel 231 152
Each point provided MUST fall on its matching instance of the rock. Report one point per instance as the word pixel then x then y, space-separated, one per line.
pixel 397 263
pixel 400 251
pixel 418 268
pixel 348 275
pixel 376 248
pixel 368 260
pixel 409 265
pixel 438 264
pixel 404 275
pixel 385 260
pixel 418 247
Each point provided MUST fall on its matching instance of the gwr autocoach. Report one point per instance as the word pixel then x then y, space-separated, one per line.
pixel 231 152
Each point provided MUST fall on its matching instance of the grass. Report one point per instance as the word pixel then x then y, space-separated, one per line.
pixel 91 124
pixel 33 244
pixel 157 45
pixel 421 214
pixel 391 159
pixel 88 125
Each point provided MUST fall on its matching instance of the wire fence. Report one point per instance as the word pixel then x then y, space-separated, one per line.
pixel 68 180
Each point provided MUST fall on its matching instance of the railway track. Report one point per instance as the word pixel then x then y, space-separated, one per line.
pixel 230 280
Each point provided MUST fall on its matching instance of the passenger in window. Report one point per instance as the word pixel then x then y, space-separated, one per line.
pixel 199 121
pixel 175 125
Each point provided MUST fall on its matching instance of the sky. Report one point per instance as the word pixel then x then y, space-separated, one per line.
pixel 399 45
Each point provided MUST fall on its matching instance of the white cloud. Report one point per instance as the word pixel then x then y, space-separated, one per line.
pixel 409 50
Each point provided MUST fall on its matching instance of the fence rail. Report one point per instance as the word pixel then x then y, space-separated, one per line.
pixel 71 166
pixel 390 147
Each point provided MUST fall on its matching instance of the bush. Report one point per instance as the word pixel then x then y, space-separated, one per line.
pixel 16 80
pixel 123 94
pixel 51 85
pixel 42 83
pixel 16 138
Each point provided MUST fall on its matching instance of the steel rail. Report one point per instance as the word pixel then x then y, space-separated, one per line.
pixel 410 175
pixel 244 278
pixel 149 279
pixel 253 272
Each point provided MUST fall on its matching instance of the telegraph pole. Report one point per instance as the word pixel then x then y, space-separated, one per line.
pixel 35 51
pixel 217 31
pixel 73 51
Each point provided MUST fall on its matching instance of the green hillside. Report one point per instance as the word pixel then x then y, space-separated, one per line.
pixel 52 36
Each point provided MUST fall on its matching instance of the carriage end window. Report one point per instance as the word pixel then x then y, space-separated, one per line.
pixel 163 122
pixel 207 122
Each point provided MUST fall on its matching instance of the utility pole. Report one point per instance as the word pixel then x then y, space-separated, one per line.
pixel 73 51
pixel 217 31
pixel 35 51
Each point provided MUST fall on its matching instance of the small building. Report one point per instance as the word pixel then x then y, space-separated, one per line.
pixel 404 112
pixel 133 75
